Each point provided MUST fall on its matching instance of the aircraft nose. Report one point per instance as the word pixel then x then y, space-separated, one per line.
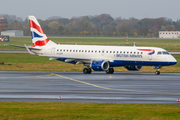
pixel 174 61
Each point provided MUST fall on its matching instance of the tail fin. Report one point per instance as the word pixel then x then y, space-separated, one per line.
pixel 39 38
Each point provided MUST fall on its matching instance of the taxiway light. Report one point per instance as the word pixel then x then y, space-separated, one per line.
pixel 59 98
pixel 178 100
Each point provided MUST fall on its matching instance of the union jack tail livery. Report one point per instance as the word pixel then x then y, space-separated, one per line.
pixel 39 38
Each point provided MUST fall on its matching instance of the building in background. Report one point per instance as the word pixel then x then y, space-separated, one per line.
pixel 12 33
pixel 3 23
pixel 169 34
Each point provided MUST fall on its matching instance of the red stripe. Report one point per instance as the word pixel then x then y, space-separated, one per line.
pixel 41 43
pixel 35 26
pixel 146 50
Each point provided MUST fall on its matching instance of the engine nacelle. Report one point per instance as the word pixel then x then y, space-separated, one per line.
pixel 100 65
pixel 133 67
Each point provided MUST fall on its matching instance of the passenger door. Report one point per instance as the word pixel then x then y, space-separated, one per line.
pixel 149 56
pixel 53 51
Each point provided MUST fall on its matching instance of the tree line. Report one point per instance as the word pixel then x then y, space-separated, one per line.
pixel 98 25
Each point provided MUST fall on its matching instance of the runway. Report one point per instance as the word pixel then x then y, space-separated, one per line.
pixel 120 87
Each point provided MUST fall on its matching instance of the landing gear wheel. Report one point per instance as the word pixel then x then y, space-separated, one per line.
pixel 157 72
pixel 89 71
pixel 110 71
pixel 85 71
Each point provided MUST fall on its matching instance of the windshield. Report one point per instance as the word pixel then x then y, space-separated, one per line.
pixel 162 53
pixel 165 53
pixel 159 53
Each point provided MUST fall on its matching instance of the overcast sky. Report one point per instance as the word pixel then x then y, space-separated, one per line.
pixel 139 9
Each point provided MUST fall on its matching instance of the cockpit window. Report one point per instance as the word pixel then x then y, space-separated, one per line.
pixel 165 53
pixel 159 53
pixel 162 53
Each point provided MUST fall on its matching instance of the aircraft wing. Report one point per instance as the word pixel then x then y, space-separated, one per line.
pixel 77 59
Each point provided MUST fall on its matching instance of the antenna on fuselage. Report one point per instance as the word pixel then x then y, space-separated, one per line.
pixel 134 44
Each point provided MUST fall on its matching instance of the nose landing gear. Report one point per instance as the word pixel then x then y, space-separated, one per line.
pixel 157 70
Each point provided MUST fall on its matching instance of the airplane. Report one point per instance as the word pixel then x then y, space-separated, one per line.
pixel 98 58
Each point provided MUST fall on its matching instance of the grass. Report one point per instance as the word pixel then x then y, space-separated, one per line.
pixel 90 111
pixel 168 44
pixel 27 62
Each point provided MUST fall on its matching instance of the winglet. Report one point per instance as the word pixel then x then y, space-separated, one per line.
pixel 29 50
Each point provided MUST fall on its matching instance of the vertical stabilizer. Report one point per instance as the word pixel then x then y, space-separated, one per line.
pixel 39 38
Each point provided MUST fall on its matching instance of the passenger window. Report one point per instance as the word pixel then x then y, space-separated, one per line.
pixel 61 50
pixel 124 52
pixel 88 50
pixel 73 50
pixel 95 51
pixel 131 52
pixel 82 50
pixel 106 51
pixel 141 52
pixel 137 52
pixel 134 52
pixel 121 52
pixel 117 51
pixel 76 50
pixel 110 51
pixel 85 50
pixel 79 50
pixel 127 52
pixel 99 51
pixel 67 50
pixel 70 50
pixel 92 51
pixel 102 51
pixel 113 51
pixel 64 50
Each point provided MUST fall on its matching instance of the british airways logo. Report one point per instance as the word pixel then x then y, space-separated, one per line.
pixel 37 34
pixel 131 56
pixel 150 50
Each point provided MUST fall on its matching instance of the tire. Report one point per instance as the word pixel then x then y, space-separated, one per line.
pixel 85 70
pixel 107 71
pixel 157 72
pixel 89 71
pixel 110 71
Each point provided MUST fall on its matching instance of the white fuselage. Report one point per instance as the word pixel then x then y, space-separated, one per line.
pixel 117 55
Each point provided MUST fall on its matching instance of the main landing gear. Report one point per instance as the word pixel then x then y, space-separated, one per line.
pixel 110 71
pixel 87 71
pixel 157 70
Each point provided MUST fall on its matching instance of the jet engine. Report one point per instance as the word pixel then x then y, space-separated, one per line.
pixel 100 65
pixel 134 67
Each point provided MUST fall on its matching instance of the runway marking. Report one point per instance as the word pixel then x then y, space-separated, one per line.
pixel 149 92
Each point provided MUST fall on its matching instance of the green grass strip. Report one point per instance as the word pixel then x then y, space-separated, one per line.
pixel 90 111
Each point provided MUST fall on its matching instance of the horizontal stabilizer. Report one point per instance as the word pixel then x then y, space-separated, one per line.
pixel 29 47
